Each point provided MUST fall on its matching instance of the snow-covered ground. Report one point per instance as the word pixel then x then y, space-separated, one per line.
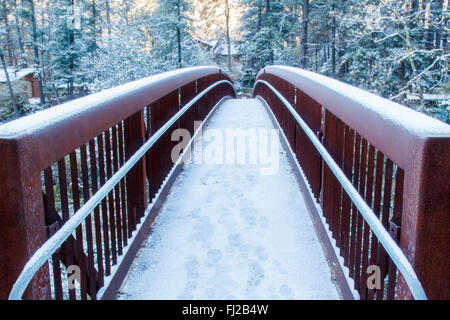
pixel 229 232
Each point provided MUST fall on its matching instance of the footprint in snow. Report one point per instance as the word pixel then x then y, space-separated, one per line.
pixel 194 213
pixel 245 204
pixel 286 292
pixel 203 230
pixel 279 266
pixel 188 291
pixel 261 253
pixel 213 256
pixel 256 274
pixel 264 222
pixel 235 240
pixel 191 268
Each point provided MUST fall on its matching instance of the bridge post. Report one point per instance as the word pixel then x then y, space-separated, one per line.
pixel 22 222
pixel 425 231
pixel 136 184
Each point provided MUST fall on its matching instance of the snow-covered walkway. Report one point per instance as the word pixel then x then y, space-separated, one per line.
pixel 229 232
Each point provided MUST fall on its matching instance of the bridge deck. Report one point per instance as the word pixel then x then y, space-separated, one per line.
pixel 230 232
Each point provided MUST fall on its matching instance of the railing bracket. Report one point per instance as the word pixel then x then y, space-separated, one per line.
pixel 52 228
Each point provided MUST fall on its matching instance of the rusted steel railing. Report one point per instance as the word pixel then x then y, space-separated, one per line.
pixel 83 175
pixel 370 164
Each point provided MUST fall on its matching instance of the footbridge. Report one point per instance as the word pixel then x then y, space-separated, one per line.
pixel 173 187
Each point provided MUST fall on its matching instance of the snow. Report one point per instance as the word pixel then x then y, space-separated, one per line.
pixel 54 115
pixel 220 46
pixel 15 74
pixel 345 269
pixel 429 97
pixel 415 122
pixel 229 232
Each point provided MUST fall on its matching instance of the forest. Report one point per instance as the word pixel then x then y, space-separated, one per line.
pixel 394 48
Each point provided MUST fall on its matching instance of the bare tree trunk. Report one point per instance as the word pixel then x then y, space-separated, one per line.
pixel 70 82
pixel 444 23
pixel 429 28
pixel 413 8
pixel 408 45
pixel 438 10
pixel 94 24
pixel 271 54
pixel 316 58
pixel 36 52
pixel 11 92
pixel 333 49
pixel 108 20
pixel 11 59
pixel 304 40
pixel 259 18
pixel 20 38
pixel 179 34
pixel 227 22
pixel 127 11
pixel 340 45
pixel 333 44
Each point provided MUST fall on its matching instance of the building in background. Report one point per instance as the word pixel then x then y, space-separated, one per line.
pixel 219 49
pixel 23 81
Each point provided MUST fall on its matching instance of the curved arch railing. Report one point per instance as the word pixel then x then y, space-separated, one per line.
pixel 369 162
pixel 394 251
pixel 119 177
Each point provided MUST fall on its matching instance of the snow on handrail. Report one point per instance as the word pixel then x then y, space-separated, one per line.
pixel 339 94
pixel 388 243
pixel 52 244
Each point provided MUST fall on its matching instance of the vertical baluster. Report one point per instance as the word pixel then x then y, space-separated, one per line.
pixel 395 230
pixel 79 230
pixel 333 195
pixel 112 224
pixel 327 200
pixel 355 213
pixel 377 210
pixel 292 135
pixel 392 280
pixel 68 246
pixel 50 208
pixel 368 197
pixel 387 193
pixel 57 275
pixel 147 127
pixel 101 164
pixel 339 147
pixel 361 221
pixel 382 260
pixel 136 178
pixel 309 158
pixel 346 202
pixel 91 273
pixel 122 182
pixel 131 216
pixel 117 190
pixel 97 222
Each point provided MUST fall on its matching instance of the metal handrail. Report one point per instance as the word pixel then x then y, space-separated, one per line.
pixel 51 245
pixel 391 247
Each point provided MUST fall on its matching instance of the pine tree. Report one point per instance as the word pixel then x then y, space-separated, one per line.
pixel 266 26
pixel 67 47
pixel 173 44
